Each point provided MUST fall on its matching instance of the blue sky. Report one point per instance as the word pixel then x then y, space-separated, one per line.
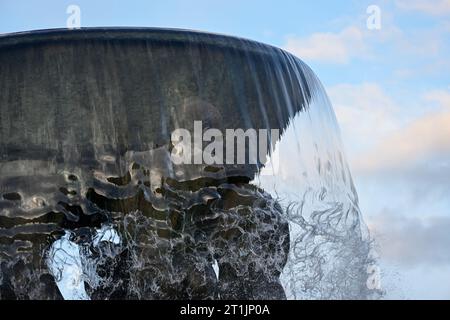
pixel 390 89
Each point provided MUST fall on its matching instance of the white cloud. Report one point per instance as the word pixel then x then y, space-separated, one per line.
pixel 421 141
pixel 411 241
pixel 433 7
pixel 328 47
pixel 414 255
pixel 441 97
pixel 357 42
pixel 381 138
pixel 366 114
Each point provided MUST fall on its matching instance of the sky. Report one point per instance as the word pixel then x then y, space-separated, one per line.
pixel 390 88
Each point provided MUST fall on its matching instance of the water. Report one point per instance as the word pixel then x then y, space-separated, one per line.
pixel 331 254
pixel 93 207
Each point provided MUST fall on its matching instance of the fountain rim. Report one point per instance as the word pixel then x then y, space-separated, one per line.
pixel 157 34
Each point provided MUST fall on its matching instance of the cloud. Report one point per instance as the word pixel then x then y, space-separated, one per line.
pixel 432 7
pixel 328 47
pixel 357 42
pixel 441 97
pixel 396 145
pixel 422 140
pixel 412 241
pixel 381 138
pixel 366 114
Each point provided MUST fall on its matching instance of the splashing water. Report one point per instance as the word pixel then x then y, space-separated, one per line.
pixel 331 251
pixel 92 206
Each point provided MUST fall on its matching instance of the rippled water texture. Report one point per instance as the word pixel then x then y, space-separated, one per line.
pixel 92 207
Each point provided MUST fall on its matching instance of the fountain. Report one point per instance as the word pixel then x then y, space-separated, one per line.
pixel 91 205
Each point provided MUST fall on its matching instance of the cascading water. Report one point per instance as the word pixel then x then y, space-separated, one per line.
pixel 331 254
pixel 93 207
